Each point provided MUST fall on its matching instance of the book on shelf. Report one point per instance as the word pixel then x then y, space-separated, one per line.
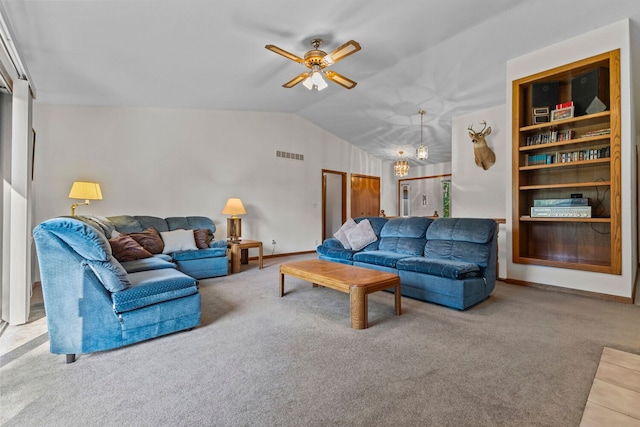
pixel 553 135
pixel 598 132
pixel 564 105
pixel 567 156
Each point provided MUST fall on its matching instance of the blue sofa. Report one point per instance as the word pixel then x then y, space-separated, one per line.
pixel 447 261
pixel 199 264
pixel 94 302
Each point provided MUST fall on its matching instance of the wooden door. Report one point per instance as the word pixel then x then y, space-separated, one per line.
pixel 365 195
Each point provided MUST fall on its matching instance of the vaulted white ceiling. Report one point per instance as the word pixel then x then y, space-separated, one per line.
pixel 446 57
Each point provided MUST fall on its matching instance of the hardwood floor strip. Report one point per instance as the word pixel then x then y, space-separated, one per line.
pixel 599 416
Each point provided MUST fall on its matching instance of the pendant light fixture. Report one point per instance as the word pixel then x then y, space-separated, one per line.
pixel 401 166
pixel 422 152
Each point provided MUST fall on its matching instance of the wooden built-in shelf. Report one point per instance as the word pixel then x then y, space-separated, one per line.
pixel 569 185
pixel 589 244
pixel 563 219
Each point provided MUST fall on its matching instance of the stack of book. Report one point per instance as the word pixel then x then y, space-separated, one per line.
pixel 567 156
pixel 552 136
pixel 598 132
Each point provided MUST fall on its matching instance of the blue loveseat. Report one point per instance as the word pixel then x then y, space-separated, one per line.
pixel 94 302
pixel 447 261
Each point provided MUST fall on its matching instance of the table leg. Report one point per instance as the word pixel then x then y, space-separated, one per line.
pixel 281 285
pixel 398 303
pixel 260 258
pixel 359 307
pixel 235 258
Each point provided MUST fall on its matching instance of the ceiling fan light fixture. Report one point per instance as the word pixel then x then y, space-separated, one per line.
pixel 315 79
pixel 308 83
pixel 401 166
pixel 422 152
pixel 316 61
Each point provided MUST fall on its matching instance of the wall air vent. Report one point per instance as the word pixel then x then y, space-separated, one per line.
pixel 292 156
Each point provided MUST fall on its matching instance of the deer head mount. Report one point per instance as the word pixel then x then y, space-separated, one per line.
pixel 484 156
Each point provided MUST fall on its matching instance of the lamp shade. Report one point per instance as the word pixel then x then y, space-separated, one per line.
pixel 85 190
pixel 234 207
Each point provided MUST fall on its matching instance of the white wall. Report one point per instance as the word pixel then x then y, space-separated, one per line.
pixel 605 39
pixel 175 162
pixel 476 192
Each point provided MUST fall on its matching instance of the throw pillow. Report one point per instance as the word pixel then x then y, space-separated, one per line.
pixel 361 235
pixel 124 249
pixel 178 240
pixel 149 239
pixel 202 238
pixel 341 233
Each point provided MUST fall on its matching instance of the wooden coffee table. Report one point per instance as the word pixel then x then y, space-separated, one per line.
pixel 358 282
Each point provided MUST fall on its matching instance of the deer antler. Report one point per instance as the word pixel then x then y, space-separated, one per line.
pixel 483 123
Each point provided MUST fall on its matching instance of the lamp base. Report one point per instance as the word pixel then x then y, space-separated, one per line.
pixel 234 229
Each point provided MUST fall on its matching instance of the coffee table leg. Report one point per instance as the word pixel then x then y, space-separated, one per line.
pixel 281 285
pixel 359 308
pixel 398 306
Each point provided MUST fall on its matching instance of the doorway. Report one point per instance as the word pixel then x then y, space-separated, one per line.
pixel 365 195
pixel 334 201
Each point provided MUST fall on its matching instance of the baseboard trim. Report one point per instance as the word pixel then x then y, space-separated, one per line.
pixel 553 288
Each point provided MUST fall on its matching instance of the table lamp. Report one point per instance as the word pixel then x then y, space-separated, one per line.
pixel 84 190
pixel 234 207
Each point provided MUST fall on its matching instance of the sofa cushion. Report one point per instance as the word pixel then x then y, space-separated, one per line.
pixel 190 222
pixel 125 248
pixel 153 263
pixel 152 287
pixel 178 240
pixel 474 230
pixel 111 274
pixel 83 238
pixel 126 223
pixel 439 267
pixel 458 251
pixel 460 239
pixel 199 254
pixel 147 221
pixel 341 234
pixel 149 239
pixel 383 258
pixel 218 244
pixel 361 235
pixel 404 235
pixel 335 253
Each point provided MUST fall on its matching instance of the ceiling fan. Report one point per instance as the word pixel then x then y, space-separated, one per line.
pixel 316 61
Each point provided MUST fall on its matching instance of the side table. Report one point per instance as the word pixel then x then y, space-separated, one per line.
pixel 240 253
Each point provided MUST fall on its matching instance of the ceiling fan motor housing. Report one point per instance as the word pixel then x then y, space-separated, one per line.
pixel 315 57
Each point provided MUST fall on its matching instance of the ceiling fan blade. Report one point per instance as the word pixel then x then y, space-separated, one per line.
pixel 284 53
pixel 340 79
pixel 342 52
pixel 291 83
